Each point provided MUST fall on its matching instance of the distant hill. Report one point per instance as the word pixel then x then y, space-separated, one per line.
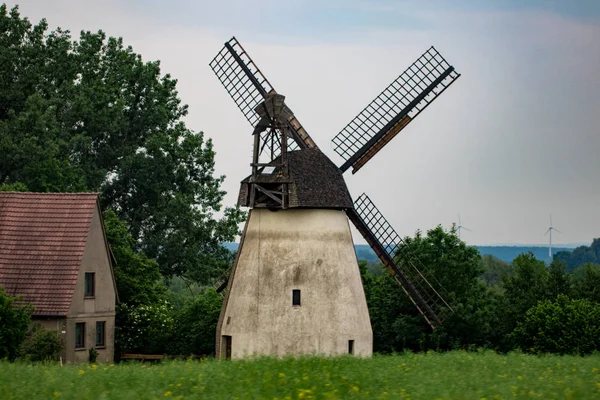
pixel 509 253
pixel 504 253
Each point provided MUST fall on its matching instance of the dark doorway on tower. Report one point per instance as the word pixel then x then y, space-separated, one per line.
pixel 350 346
pixel 226 345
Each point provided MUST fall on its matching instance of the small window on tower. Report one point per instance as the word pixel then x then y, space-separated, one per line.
pixel 296 297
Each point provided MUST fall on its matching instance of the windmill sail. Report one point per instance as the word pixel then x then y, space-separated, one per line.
pixel 248 87
pixel 393 109
pixel 420 287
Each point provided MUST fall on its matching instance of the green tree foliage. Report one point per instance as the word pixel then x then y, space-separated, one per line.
pixel 531 282
pixel 580 255
pixel 396 322
pixel 90 115
pixel 140 288
pixel 586 282
pixel 41 345
pixel 13 187
pixel 138 276
pixel 526 287
pixel 148 328
pixel 558 281
pixel 15 317
pixel 196 324
pixel 562 326
pixel 494 270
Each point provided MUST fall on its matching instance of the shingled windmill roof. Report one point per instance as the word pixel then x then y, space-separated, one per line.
pixel 42 239
pixel 315 182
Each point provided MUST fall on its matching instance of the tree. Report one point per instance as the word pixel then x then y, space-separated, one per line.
pixel 558 281
pixel 580 255
pixel 15 317
pixel 494 270
pixel 195 325
pixel 562 326
pixel 526 287
pixel 41 345
pixel 13 187
pixel 90 115
pixel 586 282
pixel 137 277
pixel 397 324
pixel 144 328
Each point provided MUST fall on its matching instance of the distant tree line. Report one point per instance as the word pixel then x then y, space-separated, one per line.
pixel 580 255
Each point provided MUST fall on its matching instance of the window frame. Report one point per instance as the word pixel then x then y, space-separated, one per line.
pixel 80 345
pixel 103 343
pixel 92 293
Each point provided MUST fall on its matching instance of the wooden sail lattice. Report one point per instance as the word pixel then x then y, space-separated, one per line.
pixel 393 109
pixel 422 288
pixel 248 87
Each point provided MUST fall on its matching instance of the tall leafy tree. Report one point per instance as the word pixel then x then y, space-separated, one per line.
pixel 494 270
pixel 91 115
pixel 586 282
pixel 397 324
pixel 137 276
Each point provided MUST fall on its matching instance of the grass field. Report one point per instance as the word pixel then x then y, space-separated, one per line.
pixel 455 375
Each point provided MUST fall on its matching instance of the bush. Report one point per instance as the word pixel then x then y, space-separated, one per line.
pixel 93 355
pixel 41 345
pixel 196 324
pixel 563 326
pixel 14 322
pixel 144 329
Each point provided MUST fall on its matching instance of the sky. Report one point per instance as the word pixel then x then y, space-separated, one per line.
pixel 515 139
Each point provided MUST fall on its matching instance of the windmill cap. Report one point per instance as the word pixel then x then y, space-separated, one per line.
pixel 314 181
pixel 274 108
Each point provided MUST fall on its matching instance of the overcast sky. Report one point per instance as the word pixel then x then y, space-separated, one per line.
pixel 515 139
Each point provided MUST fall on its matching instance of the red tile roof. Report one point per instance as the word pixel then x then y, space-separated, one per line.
pixel 42 238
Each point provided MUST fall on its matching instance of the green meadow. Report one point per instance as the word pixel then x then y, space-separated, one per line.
pixel 453 375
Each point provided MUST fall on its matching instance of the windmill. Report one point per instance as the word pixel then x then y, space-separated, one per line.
pixel 549 231
pixel 295 286
pixel 460 227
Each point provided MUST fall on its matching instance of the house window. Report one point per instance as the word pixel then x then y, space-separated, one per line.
pixel 296 297
pixel 100 333
pixel 80 335
pixel 350 346
pixel 89 289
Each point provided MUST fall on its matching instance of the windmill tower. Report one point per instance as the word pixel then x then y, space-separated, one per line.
pixel 295 286
pixel 549 231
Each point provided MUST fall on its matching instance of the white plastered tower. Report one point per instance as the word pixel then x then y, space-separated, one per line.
pixel 305 250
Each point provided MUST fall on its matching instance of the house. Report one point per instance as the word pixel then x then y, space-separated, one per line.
pixel 54 254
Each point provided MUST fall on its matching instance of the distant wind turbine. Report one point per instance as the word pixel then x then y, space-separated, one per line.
pixel 460 227
pixel 550 231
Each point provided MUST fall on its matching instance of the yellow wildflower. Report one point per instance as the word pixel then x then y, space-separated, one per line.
pixel 168 393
